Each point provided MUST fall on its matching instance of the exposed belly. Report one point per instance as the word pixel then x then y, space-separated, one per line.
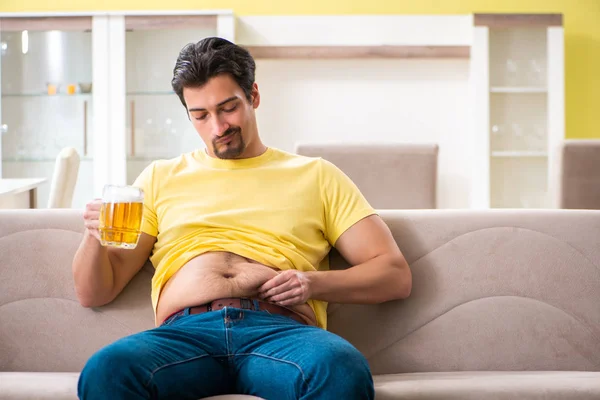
pixel 217 275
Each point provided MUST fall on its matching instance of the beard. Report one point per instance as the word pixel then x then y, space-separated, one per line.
pixel 234 148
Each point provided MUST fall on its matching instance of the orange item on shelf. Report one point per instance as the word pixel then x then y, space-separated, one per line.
pixel 71 89
pixel 52 89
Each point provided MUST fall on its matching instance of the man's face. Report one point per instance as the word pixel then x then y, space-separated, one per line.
pixel 223 116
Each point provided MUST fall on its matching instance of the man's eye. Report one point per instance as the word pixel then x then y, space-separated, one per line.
pixel 200 118
pixel 231 109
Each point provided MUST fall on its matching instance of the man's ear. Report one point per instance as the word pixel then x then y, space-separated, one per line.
pixel 255 95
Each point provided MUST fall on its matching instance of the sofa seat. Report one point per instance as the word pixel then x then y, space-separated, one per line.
pixel 415 386
pixel 530 385
pixel 57 386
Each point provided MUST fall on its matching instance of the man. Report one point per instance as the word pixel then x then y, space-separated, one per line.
pixel 239 235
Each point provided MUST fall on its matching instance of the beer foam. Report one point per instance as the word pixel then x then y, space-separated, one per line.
pixel 124 195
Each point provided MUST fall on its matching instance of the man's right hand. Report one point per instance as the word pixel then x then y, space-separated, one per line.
pixel 91 217
pixel 101 272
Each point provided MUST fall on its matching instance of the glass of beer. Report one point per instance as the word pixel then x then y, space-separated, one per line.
pixel 121 216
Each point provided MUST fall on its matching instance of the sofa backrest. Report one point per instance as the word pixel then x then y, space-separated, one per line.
pixel 42 325
pixel 492 290
pixel 384 173
pixel 579 174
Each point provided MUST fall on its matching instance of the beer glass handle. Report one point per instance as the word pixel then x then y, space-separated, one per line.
pixel 132 106
pixel 85 128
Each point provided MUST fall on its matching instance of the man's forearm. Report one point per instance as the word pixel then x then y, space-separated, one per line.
pixel 92 273
pixel 381 279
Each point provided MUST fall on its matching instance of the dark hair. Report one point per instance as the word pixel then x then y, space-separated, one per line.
pixel 212 56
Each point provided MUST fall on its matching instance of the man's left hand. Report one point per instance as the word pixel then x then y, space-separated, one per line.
pixel 288 288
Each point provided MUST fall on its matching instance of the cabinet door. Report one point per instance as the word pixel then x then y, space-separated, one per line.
pixel 517 81
pixel 157 125
pixel 46 100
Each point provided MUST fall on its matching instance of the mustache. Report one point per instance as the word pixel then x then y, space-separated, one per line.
pixel 231 131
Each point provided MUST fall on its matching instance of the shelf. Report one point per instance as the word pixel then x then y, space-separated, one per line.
pixel 349 52
pixel 4 95
pixel 518 89
pixel 144 158
pixel 517 20
pixel 517 154
pixel 156 93
pixel 40 159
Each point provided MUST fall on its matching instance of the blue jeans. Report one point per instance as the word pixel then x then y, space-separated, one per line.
pixel 230 351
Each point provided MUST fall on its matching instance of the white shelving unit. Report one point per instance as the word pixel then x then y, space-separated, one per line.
pixel 144 119
pixel 123 55
pixel 515 154
pixel 517 88
pixel 512 64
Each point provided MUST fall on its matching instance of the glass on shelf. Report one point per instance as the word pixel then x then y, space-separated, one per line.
pixel 512 73
pixel 518 137
pixel 519 182
pixel 518 57
pixel 40 90
pixel 536 73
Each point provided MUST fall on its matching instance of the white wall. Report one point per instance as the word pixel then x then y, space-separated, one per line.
pixel 381 101
pixel 375 101
pixel 368 100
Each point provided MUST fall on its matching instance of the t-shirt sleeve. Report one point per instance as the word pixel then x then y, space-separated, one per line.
pixel 344 204
pixel 145 181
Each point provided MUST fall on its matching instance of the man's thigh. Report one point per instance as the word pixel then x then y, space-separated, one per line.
pixel 302 362
pixel 171 361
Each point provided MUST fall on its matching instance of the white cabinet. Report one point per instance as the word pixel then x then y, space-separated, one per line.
pixel 517 81
pixel 156 122
pixel 418 64
pixel 143 119
pixel 46 70
pixel 126 118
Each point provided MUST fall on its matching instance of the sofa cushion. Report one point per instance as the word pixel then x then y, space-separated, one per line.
pixel 57 386
pixel 38 385
pixel 489 385
pixel 417 386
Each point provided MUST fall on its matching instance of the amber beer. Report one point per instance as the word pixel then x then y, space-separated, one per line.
pixel 121 216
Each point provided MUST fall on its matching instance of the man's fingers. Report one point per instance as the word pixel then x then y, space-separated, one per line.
pixel 284 287
pixel 95 233
pixel 274 282
pixel 294 301
pixel 89 214
pixel 92 224
pixel 286 295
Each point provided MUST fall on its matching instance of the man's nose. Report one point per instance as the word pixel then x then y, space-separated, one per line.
pixel 219 126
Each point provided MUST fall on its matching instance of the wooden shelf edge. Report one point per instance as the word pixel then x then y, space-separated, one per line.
pixel 346 52
pixel 518 89
pixel 15 24
pixel 517 20
pixel 153 22
pixel 519 154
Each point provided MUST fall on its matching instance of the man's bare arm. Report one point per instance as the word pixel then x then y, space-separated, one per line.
pixel 101 273
pixel 379 271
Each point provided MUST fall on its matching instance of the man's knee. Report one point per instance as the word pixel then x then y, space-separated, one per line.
pixel 115 362
pixel 342 368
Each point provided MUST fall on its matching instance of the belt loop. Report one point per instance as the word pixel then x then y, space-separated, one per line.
pixel 186 311
pixel 256 305
pixel 245 304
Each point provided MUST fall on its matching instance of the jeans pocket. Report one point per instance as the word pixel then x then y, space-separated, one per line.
pixel 172 318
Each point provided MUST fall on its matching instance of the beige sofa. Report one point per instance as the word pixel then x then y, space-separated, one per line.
pixel 505 305
pixel 579 174
pixel 391 176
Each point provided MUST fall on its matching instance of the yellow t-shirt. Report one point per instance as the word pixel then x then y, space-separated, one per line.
pixel 280 209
